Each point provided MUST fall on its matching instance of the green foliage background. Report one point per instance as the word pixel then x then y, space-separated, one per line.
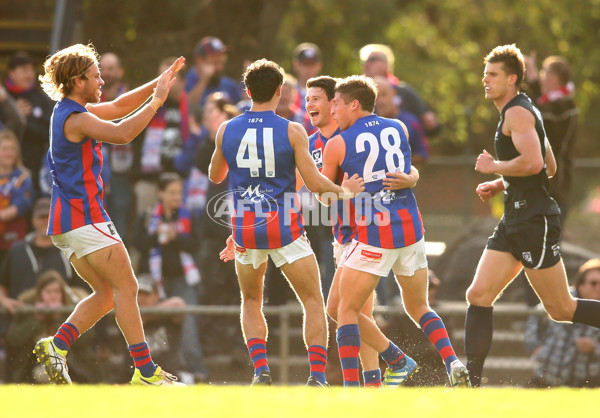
pixel 439 45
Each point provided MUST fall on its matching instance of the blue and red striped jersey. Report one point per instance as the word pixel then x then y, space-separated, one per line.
pixel 75 168
pixel 385 219
pixel 262 178
pixel 341 212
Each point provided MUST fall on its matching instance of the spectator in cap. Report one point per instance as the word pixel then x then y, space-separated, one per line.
pixel 206 77
pixel 308 63
pixel 34 105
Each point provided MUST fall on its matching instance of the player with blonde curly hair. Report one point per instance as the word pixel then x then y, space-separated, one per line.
pixel 78 223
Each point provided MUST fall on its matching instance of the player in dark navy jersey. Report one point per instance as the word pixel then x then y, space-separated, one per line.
pixel 261 151
pixel 388 236
pixel 78 224
pixel 528 234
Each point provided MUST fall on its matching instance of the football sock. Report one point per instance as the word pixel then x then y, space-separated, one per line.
pixel 257 348
pixel 65 336
pixel 479 328
pixel 372 378
pixel 587 312
pixel 394 357
pixel 142 359
pixel 317 357
pixel 348 340
pixel 433 327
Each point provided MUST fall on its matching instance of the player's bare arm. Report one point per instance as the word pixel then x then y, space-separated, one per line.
pixel 400 180
pixel 551 164
pixel 79 126
pixel 131 100
pixel 314 180
pixel 519 124
pixel 218 169
pixel 489 189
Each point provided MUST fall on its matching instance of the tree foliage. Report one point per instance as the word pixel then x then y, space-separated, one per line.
pixel 439 45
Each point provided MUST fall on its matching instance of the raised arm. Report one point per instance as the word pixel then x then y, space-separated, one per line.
pixel 519 123
pixel 218 169
pixel 79 126
pixel 130 101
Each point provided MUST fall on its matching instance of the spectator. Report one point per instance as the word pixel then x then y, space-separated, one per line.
pixel 207 75
pixel 167 236
pixel 34 105
pixel 119 196
pixel 388 107
pixel 196 182
pixel 567 354
pixel 377 60
pixel 287 108
pixel 553 91
pixel 16 192
pixel 307 63
pixel 31 257
pixel 219 281
pixel 161 142
pixel 10 117
pixel 49 292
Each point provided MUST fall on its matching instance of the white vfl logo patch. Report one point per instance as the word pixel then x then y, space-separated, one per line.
pixel 527 257
pixel 556 249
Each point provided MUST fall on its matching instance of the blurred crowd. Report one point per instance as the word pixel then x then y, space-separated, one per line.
pixel 156 192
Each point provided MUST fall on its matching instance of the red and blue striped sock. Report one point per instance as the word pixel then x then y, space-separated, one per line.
pixel 257 348
pixel 433 327
pixel 372 378
pixel 317 357
pixel 394 357
pixel 66 335
pixel 142 359
pixel 348 340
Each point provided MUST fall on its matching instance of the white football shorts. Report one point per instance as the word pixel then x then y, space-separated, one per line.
pixel 379 261
pixel 295 250
pixel 86 239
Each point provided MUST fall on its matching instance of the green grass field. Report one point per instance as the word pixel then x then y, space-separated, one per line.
pixel 237 401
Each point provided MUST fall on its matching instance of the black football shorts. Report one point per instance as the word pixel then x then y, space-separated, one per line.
pixel 534 241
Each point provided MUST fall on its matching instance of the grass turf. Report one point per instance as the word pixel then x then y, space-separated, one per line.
pixel 240 401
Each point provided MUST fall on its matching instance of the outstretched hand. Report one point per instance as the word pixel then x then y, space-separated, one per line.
pixel 354 184
pixel 228 253
pixel 166 80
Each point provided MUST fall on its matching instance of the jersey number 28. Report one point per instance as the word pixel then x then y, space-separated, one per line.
pixel 390 141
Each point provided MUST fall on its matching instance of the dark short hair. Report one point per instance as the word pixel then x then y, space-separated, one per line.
pixel 167 178
pixel 323 82
pixel 20 59
pixel 511 58
pixel 590 265
pixel 358 87
pixel 559 66
pixel 262 78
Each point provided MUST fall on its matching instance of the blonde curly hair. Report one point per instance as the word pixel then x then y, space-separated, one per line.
pixel 64 66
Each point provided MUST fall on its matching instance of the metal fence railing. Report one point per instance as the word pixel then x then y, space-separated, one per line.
pixel 285 313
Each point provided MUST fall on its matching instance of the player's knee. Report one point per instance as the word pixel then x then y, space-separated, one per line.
pixel 332 311
pixel 560 312
pixel 477 296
